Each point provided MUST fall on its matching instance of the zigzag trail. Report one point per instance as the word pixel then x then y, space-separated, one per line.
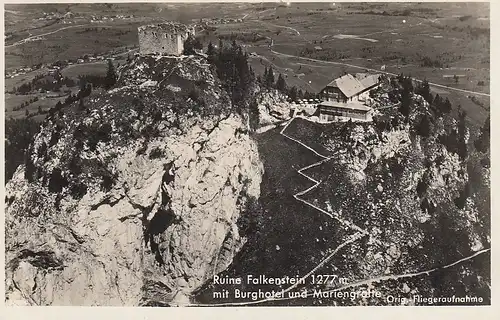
pixel 353 238
pixel 317 183
pixel 360 230
pixel 358 235
pixel 409 275
pixel 359 283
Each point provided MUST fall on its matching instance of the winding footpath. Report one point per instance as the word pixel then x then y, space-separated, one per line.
pixel 358 235
pixel 25 40
pixel 284 27
pixel 43 34
pixel 409 275
pixel 298 195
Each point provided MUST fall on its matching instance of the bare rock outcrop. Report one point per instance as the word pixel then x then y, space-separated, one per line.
pixel 416 190
pixel 134 200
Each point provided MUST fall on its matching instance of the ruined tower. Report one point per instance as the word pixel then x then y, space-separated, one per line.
pixel 166 38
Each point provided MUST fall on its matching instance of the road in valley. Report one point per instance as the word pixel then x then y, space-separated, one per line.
pixel 22 41
pixel 43 34
pixel 432 84
pixel 285 27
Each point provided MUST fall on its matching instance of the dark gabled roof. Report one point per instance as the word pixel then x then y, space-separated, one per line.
pixel 350 85
pixel 370 80
pixel 347 84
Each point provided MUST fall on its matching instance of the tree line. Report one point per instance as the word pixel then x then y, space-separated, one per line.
pixel 25 104
pixel 293 93
pixel 45 83
pixel 18 136
pixel 98 81
pixel 55 82
pixel 231 64
pixel 455 139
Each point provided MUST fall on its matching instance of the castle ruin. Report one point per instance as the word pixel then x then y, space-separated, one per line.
pixel 165 38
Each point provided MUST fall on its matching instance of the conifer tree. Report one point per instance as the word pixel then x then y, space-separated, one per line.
pixel 437 104
pixel 190 44
pixel 425 91
pixel 404 108
pixel 81 106
pixel 197 44
pixel 235 73
pixel 300 94
pixel 253 115
pixel 293 93
pixel 406 91
pixel 281 83
pixel 110 80
pixel 482 144
pixel 211 53
pixel 424 127
pixel 462 131
pixel 221 47
pixel 270 78
pixel 446 106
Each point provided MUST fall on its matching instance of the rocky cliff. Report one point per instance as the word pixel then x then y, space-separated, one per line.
pixel 133 197
pixel 423 206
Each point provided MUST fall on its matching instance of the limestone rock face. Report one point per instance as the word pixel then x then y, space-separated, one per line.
pixel 418 193
pixel 136 218
pixel 273 108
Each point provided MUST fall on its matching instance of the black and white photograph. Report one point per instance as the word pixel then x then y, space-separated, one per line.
pixel 247 154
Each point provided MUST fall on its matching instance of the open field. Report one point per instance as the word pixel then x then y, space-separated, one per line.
pixel 16 81
pixel 18 16
pixel 430 41
pixel 313 76
pixel 64 37
pixel 409 47
pixel 425 46
pixel 72 44
pixel 75 70
pixel 45 101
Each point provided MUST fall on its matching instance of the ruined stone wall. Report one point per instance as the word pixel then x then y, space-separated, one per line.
pixel 158 41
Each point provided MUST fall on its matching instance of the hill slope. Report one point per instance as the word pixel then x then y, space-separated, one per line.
pixel 132 198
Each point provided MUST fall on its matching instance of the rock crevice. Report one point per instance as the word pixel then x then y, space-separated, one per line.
pixel 151 221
